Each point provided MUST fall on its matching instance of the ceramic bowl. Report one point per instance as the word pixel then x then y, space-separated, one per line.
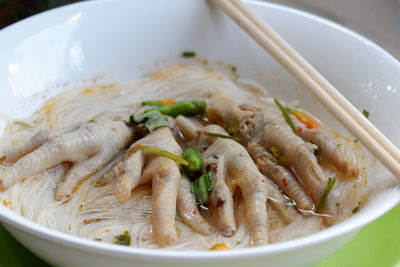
pixel 117 40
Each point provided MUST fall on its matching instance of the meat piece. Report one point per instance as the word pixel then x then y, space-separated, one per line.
pixel 188 210
pixel 89 146
pixel 14 153
pixel 141 167
pixel 268 128
pixel 204 141
pixel 281 176
pixel 331 155
pixel 188 127
pixel 233 167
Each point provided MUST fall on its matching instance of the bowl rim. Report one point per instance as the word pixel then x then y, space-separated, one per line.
pixel 349 225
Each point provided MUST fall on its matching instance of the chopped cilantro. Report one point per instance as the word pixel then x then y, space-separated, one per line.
pixel 124 239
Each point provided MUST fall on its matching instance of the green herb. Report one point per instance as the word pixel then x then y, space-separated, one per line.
pixel 185 108
pixel 356 209
pixel 366 113
pixel 220 135
pixel 337 204
pixel 124 239
pixel 195 161
pixel 188 54
pixel 233 68
pixel 159 152
pixel 202 187
pixel 285 114
pixel 322 201
pixel 151 120
pixel 98 239
pixel 146 214
pixel 338 144
pixel 238 243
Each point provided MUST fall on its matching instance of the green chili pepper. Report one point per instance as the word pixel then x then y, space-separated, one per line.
pixel 194 159
pixel 185 108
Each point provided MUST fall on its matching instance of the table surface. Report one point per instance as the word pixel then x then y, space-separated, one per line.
pixel 378 20
pixel 378 244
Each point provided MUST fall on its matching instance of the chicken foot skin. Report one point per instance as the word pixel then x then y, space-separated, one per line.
pixel 230 163
pixel 188 210
pixel 267 128
pixel 233 167
pixel 140 167
pixel 89 146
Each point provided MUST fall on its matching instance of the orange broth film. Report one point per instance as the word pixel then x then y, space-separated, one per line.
pixel 187 158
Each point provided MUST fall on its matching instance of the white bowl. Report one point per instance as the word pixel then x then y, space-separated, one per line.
pixel 119 37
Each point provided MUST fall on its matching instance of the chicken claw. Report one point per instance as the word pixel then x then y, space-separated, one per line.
pixel 89 146
pixel 140 167
pixel 331 155
pixel 267 128
pixel 233 167
pixel 188 210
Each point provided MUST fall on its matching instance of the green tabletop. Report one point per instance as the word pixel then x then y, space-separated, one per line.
pixel 378 244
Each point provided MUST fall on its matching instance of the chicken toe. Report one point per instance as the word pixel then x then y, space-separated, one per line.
pixel 88 145
pixel 188 210
pixel 165 180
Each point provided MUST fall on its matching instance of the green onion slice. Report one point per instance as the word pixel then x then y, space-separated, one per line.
pixel 159 152
pixel 202 187
pixel 286 115
pixel 322 201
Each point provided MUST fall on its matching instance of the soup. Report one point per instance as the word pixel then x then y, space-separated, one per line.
pixel 186 157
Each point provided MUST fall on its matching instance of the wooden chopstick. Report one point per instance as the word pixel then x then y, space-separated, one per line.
pixel 328 87
pixel 336 103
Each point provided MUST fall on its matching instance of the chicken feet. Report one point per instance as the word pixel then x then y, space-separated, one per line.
pixel 89 146
pixel 140 167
